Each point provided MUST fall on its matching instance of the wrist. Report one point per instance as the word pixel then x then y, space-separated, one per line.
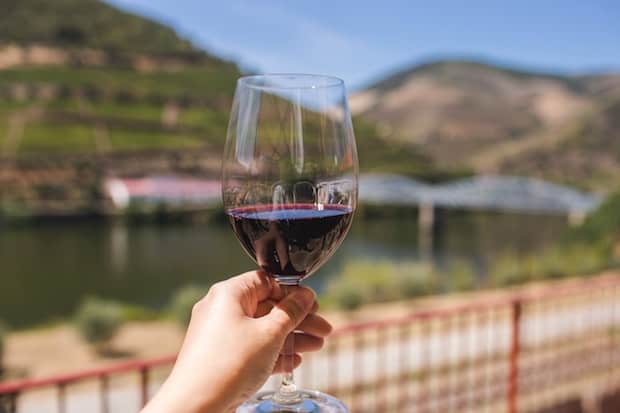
pixel 176 396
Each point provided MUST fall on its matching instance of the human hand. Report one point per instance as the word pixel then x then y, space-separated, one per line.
pixel 233 343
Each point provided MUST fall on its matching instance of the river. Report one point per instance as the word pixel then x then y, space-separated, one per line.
pixel 47 268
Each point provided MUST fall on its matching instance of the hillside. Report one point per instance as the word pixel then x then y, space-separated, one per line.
pixel 88 91
pixel 495 119
pixel 587 153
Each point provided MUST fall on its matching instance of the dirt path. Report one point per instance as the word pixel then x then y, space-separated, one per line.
pixel 59 349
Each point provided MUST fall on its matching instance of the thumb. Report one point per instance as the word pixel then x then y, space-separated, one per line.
pixel 292 310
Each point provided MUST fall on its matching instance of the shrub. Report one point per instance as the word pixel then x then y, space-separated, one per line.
pixel 98 321
pixel 415 279
pixel 348 297
pixel 132 312
pixel 554 264
pixel 366 281
pixel 183 301
pixel 460 276
pixel 604 223
pixel 565 261
pixel 582 259
pixel 360 282
pixel 532 267
pixel 505 271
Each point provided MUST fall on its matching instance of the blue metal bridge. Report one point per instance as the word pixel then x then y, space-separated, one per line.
pixel 499 193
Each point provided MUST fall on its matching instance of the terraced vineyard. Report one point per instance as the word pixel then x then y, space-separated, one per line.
pixel 105 109
pixel 63 128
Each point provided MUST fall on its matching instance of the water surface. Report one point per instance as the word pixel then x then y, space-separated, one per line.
pixel 46 269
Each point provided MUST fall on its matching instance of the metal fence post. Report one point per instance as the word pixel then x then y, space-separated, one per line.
pixel 8 403
pixel 61 398
pixel 144 386
pixel 104 389
pixel 515 348
pixel 13 402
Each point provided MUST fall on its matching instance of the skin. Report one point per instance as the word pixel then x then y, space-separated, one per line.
pixel 234 342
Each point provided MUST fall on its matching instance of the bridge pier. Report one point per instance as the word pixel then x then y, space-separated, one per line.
pixel 430 218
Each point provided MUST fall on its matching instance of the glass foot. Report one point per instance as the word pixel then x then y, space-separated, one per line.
pixel 311 402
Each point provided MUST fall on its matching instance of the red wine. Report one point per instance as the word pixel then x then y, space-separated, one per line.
pixel 290 242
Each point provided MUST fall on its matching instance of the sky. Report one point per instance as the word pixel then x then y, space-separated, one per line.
pixel 362 41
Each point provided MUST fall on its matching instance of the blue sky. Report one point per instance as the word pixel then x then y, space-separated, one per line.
pixel 363 40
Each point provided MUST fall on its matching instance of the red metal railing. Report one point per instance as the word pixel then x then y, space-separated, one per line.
pixel 10 392
pixel 523 352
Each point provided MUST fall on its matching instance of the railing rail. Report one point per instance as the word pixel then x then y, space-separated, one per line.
pixel 517 352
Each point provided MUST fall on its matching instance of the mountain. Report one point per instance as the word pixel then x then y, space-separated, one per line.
pixel 496 119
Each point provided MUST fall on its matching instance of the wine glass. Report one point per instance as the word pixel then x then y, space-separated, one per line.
pixel 289 185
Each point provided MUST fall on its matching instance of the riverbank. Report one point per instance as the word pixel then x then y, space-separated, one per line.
pixel 59 349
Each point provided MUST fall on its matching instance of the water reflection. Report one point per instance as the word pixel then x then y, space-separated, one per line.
pixel 119 235
pixel 45 270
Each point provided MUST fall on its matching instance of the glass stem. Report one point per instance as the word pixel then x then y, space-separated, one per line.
pixel 287 392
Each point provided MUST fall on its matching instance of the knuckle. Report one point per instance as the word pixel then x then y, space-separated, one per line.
pixel 217 288
pixel 295 312
pixel 308 293
pixel 197 307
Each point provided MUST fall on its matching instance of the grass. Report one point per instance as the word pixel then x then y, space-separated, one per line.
pixel 135 140
pixel 206 118
pixel 49 138
pixel 203 82
pixel 42 137
pixel 142 112
pixel 8 106
pixel 137 111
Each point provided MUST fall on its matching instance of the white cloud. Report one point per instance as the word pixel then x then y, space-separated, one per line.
pixel 301 26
